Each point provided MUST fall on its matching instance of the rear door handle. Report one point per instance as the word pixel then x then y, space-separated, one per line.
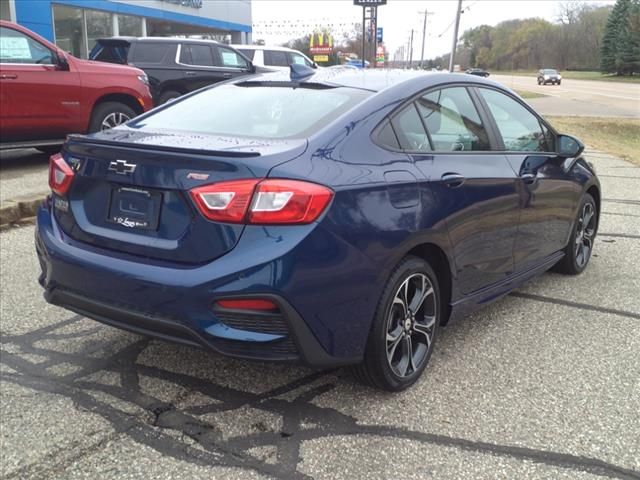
pixel 453 180
pixel 528 178
pixel 190 74
pixel 8 76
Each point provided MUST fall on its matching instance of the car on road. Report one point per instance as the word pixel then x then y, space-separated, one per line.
pixel 549 75
pixel 330 217
pixel 175 66
pixel 274 58
pixel 477 71
pixel 46 93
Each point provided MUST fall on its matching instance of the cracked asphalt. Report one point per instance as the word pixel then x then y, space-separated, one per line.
pixel 544 383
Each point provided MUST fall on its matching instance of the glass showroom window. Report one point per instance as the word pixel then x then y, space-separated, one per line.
pixel 69 30
pixel 99 25
pixel 129 26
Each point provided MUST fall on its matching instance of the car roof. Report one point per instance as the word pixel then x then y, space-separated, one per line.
pixel 373 79
pixel 157 40
pixel 263 47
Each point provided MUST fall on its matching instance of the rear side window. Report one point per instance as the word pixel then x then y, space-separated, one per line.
pixel 230 58
pixel 276 58
pixel 386 137
pixel 199 55
pixel 410 130
pixel 255 111
pixel 249 53
pixel 453 121
pixel 520 129
pixel 151 52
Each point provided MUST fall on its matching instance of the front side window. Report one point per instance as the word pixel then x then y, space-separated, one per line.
pixel 231 59
pixel 520 129
pixel 255 111
pixel 16 47
pixel 410 130
pixel 275 58
pixel 248 52
pixel 299 59
pixel 453 121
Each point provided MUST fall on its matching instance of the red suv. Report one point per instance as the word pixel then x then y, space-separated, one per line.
pixel 46 93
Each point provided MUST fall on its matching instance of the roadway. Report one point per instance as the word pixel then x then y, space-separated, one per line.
pixel 590 98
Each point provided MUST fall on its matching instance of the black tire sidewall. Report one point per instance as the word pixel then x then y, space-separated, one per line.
pixel 101 111
pixel 571 247
pixel 376 352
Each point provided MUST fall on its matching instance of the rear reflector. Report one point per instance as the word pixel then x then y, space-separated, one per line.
pixel 60 175
pixel 247 304
pixel 262 202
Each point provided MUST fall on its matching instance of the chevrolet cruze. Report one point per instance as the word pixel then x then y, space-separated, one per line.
pixel 335 217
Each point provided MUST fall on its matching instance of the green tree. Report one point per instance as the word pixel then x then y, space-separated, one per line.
pixel 621 40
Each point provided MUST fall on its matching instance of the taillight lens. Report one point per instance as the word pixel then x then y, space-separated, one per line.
pixel 60 175
pixel 225 201
pixel 263 202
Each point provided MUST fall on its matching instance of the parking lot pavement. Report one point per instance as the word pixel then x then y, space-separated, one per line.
pixel 23 172
pixel 544 383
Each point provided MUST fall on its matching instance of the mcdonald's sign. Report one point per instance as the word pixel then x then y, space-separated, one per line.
pixel 321 43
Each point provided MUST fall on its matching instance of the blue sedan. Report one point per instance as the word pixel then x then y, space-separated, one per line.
pixel 332 217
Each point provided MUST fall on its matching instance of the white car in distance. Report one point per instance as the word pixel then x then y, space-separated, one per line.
pixel 274 58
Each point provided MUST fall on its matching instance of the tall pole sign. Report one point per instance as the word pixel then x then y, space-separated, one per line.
pixel 374 4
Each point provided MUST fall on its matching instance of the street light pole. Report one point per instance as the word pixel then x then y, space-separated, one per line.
pixel 455 36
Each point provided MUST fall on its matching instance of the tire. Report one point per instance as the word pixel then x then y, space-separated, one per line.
pixel 50 149
pixel 539 82
pixel 394 333
pixel 580 247
pixel 110 113
pixel 559 82
pixel 167 96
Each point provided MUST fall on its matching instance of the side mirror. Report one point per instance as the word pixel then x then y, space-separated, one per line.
pixel 568 146
pixel 314 65
pixel 252 68
pixel 62 62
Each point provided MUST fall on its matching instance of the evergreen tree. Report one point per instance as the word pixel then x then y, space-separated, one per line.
pixel 621 41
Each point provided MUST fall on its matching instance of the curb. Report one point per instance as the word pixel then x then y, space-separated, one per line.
pixel 18 209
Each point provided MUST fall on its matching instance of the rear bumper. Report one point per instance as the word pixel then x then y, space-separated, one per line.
pixel 175 303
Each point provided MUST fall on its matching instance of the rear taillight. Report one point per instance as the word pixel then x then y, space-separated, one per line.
pixel 60 175
pixel 262 202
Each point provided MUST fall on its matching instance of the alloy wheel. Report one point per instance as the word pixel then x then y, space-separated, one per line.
pixel 113 120
pixel 585 232
pixel 411 325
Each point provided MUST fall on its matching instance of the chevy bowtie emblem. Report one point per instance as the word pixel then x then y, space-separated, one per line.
pixel 122 167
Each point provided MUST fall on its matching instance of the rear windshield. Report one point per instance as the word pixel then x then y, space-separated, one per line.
pixel 112 53
pixel 255 111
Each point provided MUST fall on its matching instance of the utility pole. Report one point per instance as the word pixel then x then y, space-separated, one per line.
pixel 455 36
pixel 411 51
pixel 424 35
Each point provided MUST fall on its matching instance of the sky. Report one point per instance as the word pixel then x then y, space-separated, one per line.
pixel 277 21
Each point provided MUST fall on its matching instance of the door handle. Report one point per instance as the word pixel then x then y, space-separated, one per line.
pixel 190 74
pixel 453 180
pixel 8 76
pixel 528 178
pixel 227 75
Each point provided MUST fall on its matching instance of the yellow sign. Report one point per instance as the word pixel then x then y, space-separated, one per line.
pixel 321 58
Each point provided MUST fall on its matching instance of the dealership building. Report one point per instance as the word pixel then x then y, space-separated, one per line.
pixel 74 25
